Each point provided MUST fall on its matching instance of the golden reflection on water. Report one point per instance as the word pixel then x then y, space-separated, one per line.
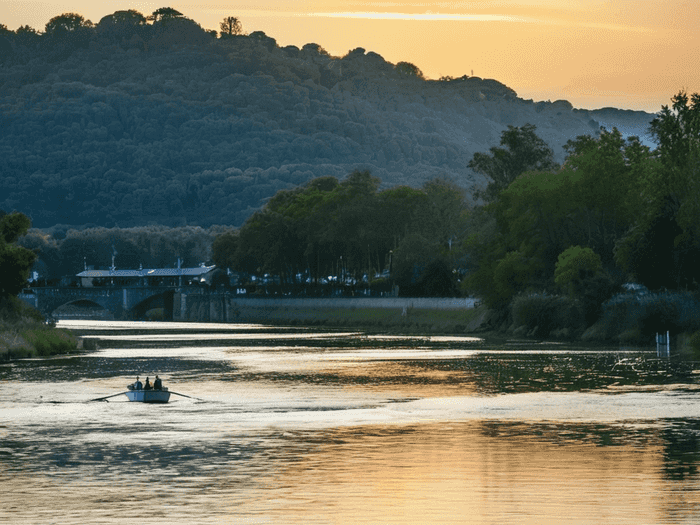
pixel 457 473
pixel 434 474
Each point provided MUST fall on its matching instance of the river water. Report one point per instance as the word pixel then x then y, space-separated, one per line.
pixel 287 426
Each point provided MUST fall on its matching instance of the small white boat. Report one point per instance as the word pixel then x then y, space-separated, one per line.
pixel 147 396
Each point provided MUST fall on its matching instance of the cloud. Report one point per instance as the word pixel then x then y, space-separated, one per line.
pixel 426 16
pixel 465 17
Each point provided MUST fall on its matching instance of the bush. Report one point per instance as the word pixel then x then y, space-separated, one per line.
pixel 543 315
pixel 647 314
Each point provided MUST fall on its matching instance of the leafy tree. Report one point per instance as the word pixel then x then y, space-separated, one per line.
pixel 164 13
pixel 523 151
pixel 677 133
pixel 663 247
pixel 607 174
pixel 26 36
pixel 224 249
pixel 15 261
pixel 70 29
pixel 66 23
pixel 410 262
pixel 122 24
pixel 231 26
pixel 406 69
pixel 512 273
pixel 574 265
pixel 445 213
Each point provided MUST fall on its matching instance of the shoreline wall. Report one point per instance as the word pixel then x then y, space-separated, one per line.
pixel 226 308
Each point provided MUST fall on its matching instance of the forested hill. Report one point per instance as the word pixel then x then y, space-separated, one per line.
pixel 174 126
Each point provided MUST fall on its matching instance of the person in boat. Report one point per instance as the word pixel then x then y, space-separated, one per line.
pixel 138 385
pixel 147 385
pixel 157 384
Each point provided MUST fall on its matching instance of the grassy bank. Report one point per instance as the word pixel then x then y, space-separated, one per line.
pixel 409 320
pixel 23 333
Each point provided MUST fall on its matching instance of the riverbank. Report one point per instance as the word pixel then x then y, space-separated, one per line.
pixel 407 315
pixel 24 334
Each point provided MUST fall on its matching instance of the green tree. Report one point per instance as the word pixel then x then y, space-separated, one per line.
pixel 164 13
pixel 523 151
pixel 122 24
pixel 15 261
pixel 231 26
pixel 663 247
pixel 410 261
pixel 574 265
pixel 27 36
pixel 406 69
pixel 607 175
pixel 224 249
pixel 69 28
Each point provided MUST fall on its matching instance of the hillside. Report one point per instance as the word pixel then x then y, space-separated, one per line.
pixel 184 128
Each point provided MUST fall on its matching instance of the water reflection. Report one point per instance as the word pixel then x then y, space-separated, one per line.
pixel 345 428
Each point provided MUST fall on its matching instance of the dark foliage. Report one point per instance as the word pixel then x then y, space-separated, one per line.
pixel 15 261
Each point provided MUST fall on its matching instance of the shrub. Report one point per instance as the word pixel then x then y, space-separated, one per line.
pixel 543 315
pixel 648 314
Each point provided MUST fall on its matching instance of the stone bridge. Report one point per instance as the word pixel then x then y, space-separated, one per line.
pixel 121 302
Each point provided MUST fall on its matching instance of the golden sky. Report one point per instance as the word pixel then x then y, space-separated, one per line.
pixel 632 54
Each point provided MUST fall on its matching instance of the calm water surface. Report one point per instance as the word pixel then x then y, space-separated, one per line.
pixel 294 426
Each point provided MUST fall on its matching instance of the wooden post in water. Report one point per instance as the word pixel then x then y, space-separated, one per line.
pixel 663 344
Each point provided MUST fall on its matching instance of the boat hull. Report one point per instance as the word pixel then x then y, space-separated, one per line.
pixel 148 396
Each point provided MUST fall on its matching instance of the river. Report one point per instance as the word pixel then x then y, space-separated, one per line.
pixel 287 426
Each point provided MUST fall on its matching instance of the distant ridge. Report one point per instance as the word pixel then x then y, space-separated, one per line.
pixel 202 131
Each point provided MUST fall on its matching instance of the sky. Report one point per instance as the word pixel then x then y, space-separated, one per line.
pixel 631 54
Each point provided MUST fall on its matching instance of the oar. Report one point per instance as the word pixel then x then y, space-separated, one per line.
pixel 103 398
pixel 183 395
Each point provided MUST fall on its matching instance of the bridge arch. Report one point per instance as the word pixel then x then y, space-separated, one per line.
pixel 157 306
pixel 82 308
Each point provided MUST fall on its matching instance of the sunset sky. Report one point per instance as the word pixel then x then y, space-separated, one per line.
pixel 632 54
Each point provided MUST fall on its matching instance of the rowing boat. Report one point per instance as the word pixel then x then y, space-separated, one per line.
pixel 148 396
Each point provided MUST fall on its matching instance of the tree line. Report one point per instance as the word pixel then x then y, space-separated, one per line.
pixel 352 231
pixel 615 211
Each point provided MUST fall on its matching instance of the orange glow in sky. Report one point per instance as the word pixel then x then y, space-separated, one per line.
pixel 633 54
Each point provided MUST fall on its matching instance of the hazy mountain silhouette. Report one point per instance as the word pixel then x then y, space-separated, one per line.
pixel 177 127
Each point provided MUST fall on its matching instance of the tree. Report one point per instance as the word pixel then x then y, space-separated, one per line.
pixel 574 265
pixel 26 36
pixel 122 24
pixel 15 261
pixel 224 249
pixel 164 13
pixel 70 29
pixel 677 133
pixel 231 26
pixel 523 151
pixel 607 175
pixel 664 245
pixel 406 69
